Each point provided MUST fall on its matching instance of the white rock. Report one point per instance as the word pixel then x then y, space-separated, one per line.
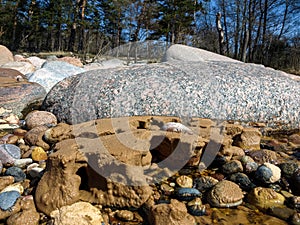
pixel 21 163
pixel 275 171
pixel 14 187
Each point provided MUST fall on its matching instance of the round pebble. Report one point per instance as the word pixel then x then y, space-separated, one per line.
pixel 204 183
pixel 8 199
pixel 250 167
pixel 12 150
pixel 15 172
pixel 184 181
pixel 225 194
pixel 38 154
pixel 268 173
pixel 264 198
pixel 233 166
pixel 263 174
pixel 187 194
pixel 125 215
pixel 288 169
pixel 242 180
pixel 37 118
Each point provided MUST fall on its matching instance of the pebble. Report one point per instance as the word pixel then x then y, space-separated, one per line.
pixel 8 199
pixel 296 219
pixel 38 118
pixel 167 189
pixel 38 154
pixel 14 187
pixel 283 213
pixel 196 208
pixel 184 181
pixel 264 198
pixel 16 172
pixel 263 174
pixel 233 166
pixel 225 194
pixel 268 173
pixel 22 163
pixel 204 183
pixel 288 169
pixel 35 172
pixel 187 194
pixel 250 167
pixel 6 181
pixel 176 127
pixel 12 150
pixel 124 215
pixel 242 180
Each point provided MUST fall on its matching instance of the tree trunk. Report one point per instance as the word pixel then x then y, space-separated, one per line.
pixel 220 32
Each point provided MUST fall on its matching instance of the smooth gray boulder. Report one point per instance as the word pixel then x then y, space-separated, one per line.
pixel 221 90
pixel 52 72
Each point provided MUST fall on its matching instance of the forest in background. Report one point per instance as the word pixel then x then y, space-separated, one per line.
pixel 257 31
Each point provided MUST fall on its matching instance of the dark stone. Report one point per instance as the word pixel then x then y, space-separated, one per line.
pixel 242 180
pixel 263 174
pixel 15 172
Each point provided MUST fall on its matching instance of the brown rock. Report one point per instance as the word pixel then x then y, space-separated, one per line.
pixel 232 151
pixel 225 194
pixel 5 55
pixel 58 133
pixel 174 213
pixel 124 215
pixel 20 96
pixel 295 139
pixel 264 198
pixel 34 137
pixel 6 181
pixel 38 118
pixel 263 156
pixel 233 129
pixel 11 73
pixel 79 213
pixel 249 139
pixel 60 184
pixel 28 214
pixel 71 60
pixel 238 216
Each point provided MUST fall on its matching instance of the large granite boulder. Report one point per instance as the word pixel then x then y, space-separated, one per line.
pixel 17 94
pixel 221 89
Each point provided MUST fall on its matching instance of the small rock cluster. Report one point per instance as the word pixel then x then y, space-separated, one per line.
pixel 55 173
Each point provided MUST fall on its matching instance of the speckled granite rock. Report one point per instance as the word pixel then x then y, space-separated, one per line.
pixel 207 89
pixel 19 96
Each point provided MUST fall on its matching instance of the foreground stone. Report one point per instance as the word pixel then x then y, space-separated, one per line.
pixel 80 213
